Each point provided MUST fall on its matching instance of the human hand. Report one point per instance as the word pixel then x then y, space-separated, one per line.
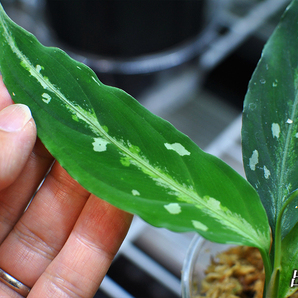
pixel 64 243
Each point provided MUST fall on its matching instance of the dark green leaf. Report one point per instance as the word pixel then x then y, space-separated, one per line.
pixel 124 154
pixel 270 122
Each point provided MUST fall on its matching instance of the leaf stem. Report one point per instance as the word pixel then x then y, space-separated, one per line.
pixel 272 288
pixel 277 240
pixel 277 251
pixel 267 266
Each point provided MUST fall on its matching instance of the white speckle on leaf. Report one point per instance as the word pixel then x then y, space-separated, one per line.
pixel 78 67
pixel 252 106
pixel 213 203
pixel 178 148
pixel 46 98
pixel 135 192
pixel 35 72
pixel 100 145
pixel 38 68
pixel 262 81
pixel 198 225
pixel 95 80
pixel 266 172
pixel 296 135
pixel 173 208
pixel 274 84
pixel 275 128
pixel 290 121
pixel 254 160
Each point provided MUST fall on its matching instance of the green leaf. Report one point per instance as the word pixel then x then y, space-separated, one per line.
pixel 289 262
pixel 270 123
pixel 124 154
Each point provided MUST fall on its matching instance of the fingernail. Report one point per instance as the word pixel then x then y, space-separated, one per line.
pixel 14 117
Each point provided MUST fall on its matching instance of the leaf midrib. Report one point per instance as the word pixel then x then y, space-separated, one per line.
pixel 286 150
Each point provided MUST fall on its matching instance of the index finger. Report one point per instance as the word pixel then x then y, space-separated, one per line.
pixel 5 99
pixel 15 197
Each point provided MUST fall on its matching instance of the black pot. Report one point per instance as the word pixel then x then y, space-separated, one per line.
pixel 125 29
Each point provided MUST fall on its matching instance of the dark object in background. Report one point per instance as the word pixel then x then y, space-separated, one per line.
pixel 128 43
pixel 125 29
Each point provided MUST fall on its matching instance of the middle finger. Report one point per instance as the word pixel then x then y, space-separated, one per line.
pixel 15 198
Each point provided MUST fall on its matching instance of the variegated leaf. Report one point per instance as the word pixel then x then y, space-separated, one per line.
pixel 124 154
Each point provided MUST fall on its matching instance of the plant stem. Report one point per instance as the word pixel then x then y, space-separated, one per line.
pixel 267 266
pixel 272 287
pixel 273 284
pixel 277 243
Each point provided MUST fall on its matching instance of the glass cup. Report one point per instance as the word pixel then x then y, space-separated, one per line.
pixel 196 262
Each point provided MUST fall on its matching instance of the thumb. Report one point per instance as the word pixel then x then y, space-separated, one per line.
pixel 17 138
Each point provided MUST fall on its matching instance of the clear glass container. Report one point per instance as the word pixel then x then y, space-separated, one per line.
pixel 196 262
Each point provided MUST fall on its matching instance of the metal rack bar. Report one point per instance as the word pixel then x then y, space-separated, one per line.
pixel 150 266
pixel 112 289
pixel 239 31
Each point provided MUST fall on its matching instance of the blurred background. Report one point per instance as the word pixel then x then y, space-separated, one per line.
pixel 188 61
